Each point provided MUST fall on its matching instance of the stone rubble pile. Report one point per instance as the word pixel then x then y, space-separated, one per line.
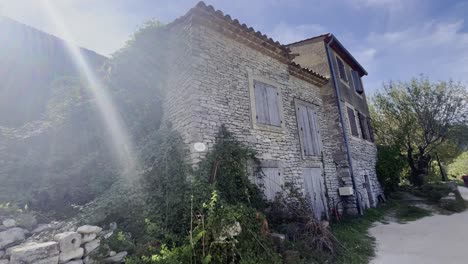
pixel 54 244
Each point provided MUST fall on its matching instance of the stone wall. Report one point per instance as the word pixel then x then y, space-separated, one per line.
pixel 220 94
pixel 23 241
pixel 313 54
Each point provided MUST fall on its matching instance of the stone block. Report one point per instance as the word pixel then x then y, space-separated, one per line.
pixel 87 229
pixel 117 258
pixel 85 238
pixel 4 261
pixel 91 246
pixel 42 253
pixel 11 236
pixel 77 261
pixel 66 256
pixel 68 241
pixel 9 222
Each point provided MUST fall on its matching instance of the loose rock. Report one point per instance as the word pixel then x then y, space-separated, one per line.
pixel 87 229
pixel 119 257
pixel 91 246
pixel 4 261
pixel 64 257
pixel 9 222
pixel 85 238
pixel 78 261
pixel 2 253
pixel 11 236
pixel 68 241
pixel 47 252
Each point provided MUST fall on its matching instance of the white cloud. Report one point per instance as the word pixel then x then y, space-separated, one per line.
pixel 286 33
pixel 437 49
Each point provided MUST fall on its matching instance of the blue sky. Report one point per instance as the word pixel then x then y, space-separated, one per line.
pixel 393 39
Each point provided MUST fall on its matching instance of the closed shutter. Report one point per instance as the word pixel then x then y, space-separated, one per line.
pixel 311 142
pixel 273 106
pixel 314 189
pixel 357 82
pixel 267 104
pixel 352 122
pixel 341 69
pixel 271 182
pixel 371 132
pixel 262 115
pixel 363 125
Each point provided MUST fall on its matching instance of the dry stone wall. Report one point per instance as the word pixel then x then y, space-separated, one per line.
pixel 54 243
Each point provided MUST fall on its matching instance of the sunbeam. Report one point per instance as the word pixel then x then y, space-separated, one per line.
pixel 121 142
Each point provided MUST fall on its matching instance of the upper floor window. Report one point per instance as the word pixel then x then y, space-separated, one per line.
pixel 357 81
pixel 267 104
pixel 341 69
pixel 363 126
pixel 352 121
pixel 309 129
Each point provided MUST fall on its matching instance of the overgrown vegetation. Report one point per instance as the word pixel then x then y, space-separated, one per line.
pixel 357 246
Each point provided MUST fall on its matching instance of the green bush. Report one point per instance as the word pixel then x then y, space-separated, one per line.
pixel 390 166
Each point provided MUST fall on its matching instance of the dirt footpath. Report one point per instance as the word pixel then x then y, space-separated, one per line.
pixel 430 240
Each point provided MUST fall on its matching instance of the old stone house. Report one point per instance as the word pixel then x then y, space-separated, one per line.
pixel 307 118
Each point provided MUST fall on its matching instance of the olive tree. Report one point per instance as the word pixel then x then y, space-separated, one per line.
pixel 419 116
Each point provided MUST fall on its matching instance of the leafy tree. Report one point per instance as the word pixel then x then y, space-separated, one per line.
pixel 419 116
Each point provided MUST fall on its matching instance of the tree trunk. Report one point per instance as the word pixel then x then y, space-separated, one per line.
pixel 442 172
pixel 420 168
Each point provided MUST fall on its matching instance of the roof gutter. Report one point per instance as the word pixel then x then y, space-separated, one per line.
pixel 343 125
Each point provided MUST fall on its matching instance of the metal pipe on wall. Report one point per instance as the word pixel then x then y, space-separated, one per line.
pixel 343 124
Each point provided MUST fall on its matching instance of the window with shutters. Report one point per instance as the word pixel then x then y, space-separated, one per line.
pixel 309 129
pixel 341 70
pixel 266 105
pixel 363 126
pixel 357 82
pixel 352 121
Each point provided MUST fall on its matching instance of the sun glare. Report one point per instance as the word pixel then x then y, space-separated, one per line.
pixel 121 142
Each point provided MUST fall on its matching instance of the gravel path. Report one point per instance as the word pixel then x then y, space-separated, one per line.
pixel 430 240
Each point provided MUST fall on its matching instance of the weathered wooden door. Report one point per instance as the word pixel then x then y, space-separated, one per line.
pixel 315 189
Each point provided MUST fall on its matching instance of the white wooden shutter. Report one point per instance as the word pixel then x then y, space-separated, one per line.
pixel 267 104
pixel 273 105
pixel 262 113
pixel 314 130
pixel 313 185
pixel 309 131
pixel 271 182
